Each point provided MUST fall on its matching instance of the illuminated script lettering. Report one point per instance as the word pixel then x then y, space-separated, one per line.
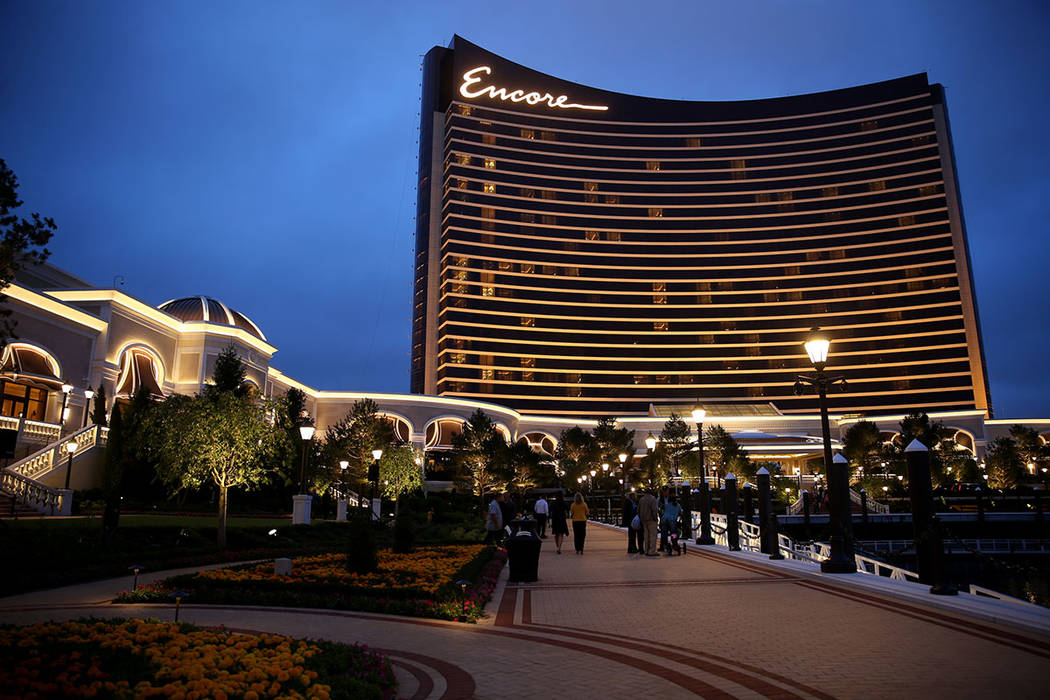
pixel 471 78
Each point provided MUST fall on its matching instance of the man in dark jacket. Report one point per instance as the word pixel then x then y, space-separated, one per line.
pixel 630 509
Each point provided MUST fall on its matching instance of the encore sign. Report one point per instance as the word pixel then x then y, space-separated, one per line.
pixel 470 78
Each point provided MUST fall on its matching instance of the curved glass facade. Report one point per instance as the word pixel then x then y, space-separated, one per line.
pixel 583 252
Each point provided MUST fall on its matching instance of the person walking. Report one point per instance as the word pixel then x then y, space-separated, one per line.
pixel 664 491
pixel 558 513
pixel 542 510
pixel 494 520
pixel 649 514
pixel 630 509
pixel 579 511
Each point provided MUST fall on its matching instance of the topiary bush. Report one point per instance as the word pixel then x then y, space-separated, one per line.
pixel 361 547
pixel 404 533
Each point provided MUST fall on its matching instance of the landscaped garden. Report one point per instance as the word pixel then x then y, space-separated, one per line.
pixel 147 658
pixel 421 583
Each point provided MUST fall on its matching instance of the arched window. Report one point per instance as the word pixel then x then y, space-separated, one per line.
pixel 28 375
pixel 400 427
pixel 140 366
pixel 440 432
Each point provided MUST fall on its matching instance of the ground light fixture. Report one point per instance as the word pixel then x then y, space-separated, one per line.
pixel 841 559
pixel 135 569
pixel 71 448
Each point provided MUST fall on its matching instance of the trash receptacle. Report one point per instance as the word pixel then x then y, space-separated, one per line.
pixel 523 556
pixel 520 524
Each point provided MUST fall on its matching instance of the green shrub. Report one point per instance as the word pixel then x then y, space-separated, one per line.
pixel 404 533
pixel 361 547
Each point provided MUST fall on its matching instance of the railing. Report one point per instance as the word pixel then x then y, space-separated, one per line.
pixel 873 505
pixel 982 592
pixel 43 499
pixel 813 553
pixel 984 546
pixel 37 430
pixel 351 497
pixel 43 461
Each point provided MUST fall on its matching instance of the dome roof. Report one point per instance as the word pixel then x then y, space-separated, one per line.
pixel 211 311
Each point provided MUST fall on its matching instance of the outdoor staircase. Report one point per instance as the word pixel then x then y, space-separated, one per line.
pixel 11 508
pixel 24 480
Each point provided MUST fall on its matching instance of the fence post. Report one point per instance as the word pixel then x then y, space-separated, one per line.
pixel 764 509
pixel 929 548
pixel 774 536
pixel 705 515
pixel 941 585
pixel 749 508
pixel 729 506
pixel 864 507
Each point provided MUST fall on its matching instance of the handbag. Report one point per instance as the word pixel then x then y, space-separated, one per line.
pixel 636 524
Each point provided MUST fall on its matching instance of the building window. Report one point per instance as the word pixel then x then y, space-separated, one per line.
pixel 591 235
pixel 830 192
pixel 877 186
pixel 528 268
pixel 928 190
pixel 763 197
pixel 461 183
pixel 692 142
pixel 612 235
pixel 652 165
pixel 550 270
pixel 458 358
pixel 489 163
pixel 505 266
pixel 920 140
pixel 869 125
pixel 487 375
pixel 488 188
pixel 590 186
pixel 907 220
pixel 660 326
pixel 550 220
pixel 612 199
pixel 656 212
pixel 572 272
pixel 548 136
pixel 488 291
pixel 528 217
pixel 548 194
pixel 528 321
pixel 489 139
pixel 590 198
pixel 738 168
pixel 463 159
pixel 465 110
pixel 528 193
pixel 528 134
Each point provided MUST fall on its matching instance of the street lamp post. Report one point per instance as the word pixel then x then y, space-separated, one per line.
pixel 605 471
pixel 623 470
pixel 704 536
pixel 841 560
pixel 373 476
pixel 590 484
pixel 71 449
pixel 88 395
pixel 66 390
pixel 698 417
pixel 306 432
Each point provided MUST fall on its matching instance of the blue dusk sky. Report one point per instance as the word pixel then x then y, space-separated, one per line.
pixel 264 152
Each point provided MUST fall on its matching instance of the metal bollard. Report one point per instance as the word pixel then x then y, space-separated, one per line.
pixel 774 536
pixel 705 515
pixel 941 585
pixel 765 507
pixel 749 506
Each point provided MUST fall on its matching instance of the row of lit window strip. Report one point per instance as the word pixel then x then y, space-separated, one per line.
pixel 690 141
pixel 784 199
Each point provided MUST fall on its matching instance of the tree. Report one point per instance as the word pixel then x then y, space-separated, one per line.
pixel 1004 465
pixel 220 439
pixel 98 410
pixel 612 440
pixel 862 446
pixel 477 449
pixel 577 450
pixel 527 469
pixel 229 373
pixel 676 444
pixel 1030 448
pixel 723 452
pixel 353 438
pixel 22 241
pixel 113 463
pixel 399 473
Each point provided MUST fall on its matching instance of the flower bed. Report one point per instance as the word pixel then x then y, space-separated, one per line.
pixel 420 584
pixel 146 658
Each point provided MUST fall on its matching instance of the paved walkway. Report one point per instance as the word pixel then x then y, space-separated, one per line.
pixel 710 624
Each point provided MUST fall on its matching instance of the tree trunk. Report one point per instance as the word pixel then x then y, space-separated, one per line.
pixel 397 504
pixel 221 540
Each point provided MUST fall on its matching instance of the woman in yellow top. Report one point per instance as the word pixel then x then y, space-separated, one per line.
pixel 578 511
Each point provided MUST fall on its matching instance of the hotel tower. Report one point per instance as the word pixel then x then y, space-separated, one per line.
pixel 581 252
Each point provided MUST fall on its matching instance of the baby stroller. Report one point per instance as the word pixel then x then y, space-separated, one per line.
pixel 674 546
